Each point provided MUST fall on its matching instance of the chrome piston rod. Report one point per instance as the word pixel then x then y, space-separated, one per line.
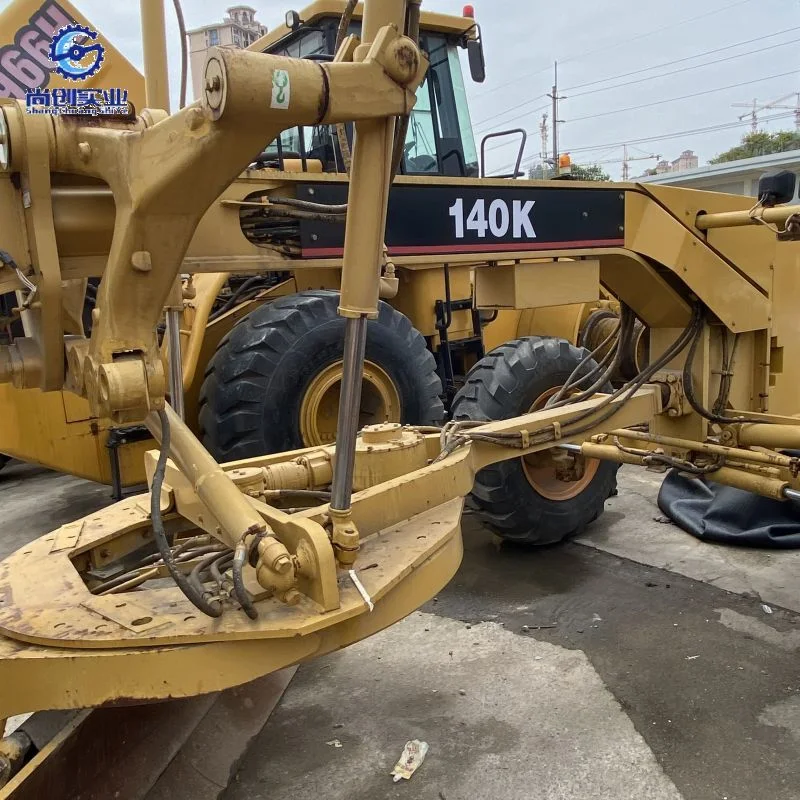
pixel 175 362
pixel 355 339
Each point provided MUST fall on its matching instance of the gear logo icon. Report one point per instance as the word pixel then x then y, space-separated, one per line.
pixel 76 53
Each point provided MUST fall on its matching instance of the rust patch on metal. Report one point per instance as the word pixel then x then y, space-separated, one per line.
pixel 407 57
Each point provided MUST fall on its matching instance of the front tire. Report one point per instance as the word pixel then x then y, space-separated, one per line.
pixel 273 383
pixel 520 502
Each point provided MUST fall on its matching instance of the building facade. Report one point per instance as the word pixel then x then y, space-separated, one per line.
pixel 238 29
pixel 686 160
pixel 733 177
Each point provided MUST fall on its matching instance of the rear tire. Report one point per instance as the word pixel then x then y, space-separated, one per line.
pixel 506 383
pixel 256 383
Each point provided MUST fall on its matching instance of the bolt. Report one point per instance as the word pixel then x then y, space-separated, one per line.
pixel 314 237
pixel 282 564
pixel 292 597
pixel 194 118
pixel 671 379
pixel 311 191
pixel 141 262
pixel 213 84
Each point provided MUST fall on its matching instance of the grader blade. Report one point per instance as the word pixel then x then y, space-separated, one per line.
pixel 67 648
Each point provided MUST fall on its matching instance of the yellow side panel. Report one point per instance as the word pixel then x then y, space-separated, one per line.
pixel 26 28
pixel 503 329
pixel 36 427
pixel 76 409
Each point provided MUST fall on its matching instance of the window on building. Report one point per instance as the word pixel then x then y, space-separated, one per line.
pixel 237 39
pixel 213 37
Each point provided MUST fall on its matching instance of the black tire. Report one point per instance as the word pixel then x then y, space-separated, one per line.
pixel 504 384
pixel 251 397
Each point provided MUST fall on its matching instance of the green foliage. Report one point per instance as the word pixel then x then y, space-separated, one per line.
pixel 592 172
pixel 759 144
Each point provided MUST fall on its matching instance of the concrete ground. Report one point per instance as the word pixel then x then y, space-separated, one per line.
pixel 636 663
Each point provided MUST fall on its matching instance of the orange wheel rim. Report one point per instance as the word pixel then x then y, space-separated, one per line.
pixel 542 477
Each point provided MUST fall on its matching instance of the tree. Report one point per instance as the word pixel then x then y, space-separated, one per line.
pixel 760 143
pixel 580 172
pixel 593 172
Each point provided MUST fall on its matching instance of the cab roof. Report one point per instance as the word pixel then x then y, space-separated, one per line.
pixel 429 21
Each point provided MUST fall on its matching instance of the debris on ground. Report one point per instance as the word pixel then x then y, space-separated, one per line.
pixel 766 609
pixel 691 658
pixel 462 692
pixel 334 743
pixel 413 755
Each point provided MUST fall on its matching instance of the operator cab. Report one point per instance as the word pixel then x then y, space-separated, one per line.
pixel 439 139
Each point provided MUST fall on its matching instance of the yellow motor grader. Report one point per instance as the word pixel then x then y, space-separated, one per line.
pixel 221 573
pixel 260 338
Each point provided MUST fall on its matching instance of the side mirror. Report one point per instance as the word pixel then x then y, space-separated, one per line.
pixel 477 62
pixel 777 187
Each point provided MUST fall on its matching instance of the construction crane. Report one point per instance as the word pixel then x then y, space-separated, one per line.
pixel 755 108
pixel 626 159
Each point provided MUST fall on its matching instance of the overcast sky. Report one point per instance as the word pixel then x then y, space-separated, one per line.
pixel 591 41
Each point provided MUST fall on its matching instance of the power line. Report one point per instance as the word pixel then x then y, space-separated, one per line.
pixel 513 108
pixel 677 134
pixel 659 137
pixel 519 116
pixel 682 97
pixel 643 140
pixel 678 23
pixel 668 100
pixel 651 77
pixel 681 60
pixel 627 41
pixel 686 69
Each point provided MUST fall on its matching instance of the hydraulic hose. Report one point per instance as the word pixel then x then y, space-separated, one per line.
pixel 212 609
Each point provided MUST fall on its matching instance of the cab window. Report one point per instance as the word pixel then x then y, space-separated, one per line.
pixel 439 140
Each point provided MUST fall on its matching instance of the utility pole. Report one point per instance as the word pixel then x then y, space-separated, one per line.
pixel 555 98
pixel 543 132
pixel 625 162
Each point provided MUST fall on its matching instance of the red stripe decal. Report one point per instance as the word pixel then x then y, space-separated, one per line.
pixel 334 252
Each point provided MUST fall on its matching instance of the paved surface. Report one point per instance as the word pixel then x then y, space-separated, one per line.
pixel 636 664
pixel 640 532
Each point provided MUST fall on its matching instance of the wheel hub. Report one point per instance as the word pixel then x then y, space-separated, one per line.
pixel 547 472
pixel 319 411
